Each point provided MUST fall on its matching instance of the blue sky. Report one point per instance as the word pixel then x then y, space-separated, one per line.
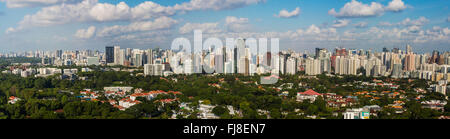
pixel 300 24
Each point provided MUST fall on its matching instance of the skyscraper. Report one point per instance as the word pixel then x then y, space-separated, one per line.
pixel 109 54
pixel 149 54
pixel 408 49
pixel 117 55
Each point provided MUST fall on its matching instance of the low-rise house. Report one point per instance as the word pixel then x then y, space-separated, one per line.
pixel 357 113
pixel 111 94
pixel 152 94
pixel 87 94
pixel 206 112
pixel 127 102
pixel 13 99
pixel 309 94
pixel 373 108
pixel 434 104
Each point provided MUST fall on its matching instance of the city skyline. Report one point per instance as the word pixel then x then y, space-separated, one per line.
pixel 300 25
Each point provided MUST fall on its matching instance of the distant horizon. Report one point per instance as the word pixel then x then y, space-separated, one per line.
pixel 302 51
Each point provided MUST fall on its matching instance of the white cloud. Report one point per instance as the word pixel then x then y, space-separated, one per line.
pixel 287 14
pixel 108 12
pixel 235 24
pixel 361 25
pixel 387 24
pixel 214 4
pixel 421 21
pixel 204 27
pixel 341 23
pixel 396 6
pixel 418 22
pixel 139 26
pixel 10 30
pixel 313 29
pixel 358 9
pixel 35 3
pixel 93 11
pixel 85 33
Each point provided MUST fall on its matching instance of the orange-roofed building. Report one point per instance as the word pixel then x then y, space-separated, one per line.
pixel 309 94
pixel 13 99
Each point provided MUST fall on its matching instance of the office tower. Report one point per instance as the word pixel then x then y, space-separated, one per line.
pixel 228 67
pixel 109 54
pixel 410 64
pixel 218 63
pixel 149 54
pixel 396 71
pixel 396 50
pixel 137 59
pixel 59 54
pixel 283 59
pixel 117 55
pixel 434 57
pixel 247 67
pixel 408 49
pixel 338 52
pixel 235 60
pixel 224 54
pixel 188 67
pixel 268 59
pixel 121 57
pixel 128 54
pixel 318 51
pixel 385 50
pixel 448 61
pixel 240 44
pixel 219 60
pixel 197 63
pixel 417 61
pixel 339 68
pixel 241 68
pixel 441 60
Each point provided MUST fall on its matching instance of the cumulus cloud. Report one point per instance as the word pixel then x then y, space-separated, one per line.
pixel 10 30
pixel 235 24
pixel 36 3
pixel 361 25
pixel 396 6
pixel 204 27
pixel 418 22
pixel 386 24
pixel 341 23
pixel 421 21
pixel 93 11
pixel 214 4
pixel 287 14
pixel 139 26
pixel 85 33
pixel 356 9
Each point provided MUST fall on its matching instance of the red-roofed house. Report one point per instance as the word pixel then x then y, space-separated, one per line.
pixel 309 94
pixel 13 99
